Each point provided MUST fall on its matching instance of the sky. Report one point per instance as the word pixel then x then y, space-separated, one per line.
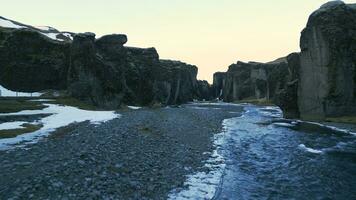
pixel 211 34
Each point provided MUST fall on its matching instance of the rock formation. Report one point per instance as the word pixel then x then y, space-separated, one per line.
pixel 218 84
pixel 100 71
pixel 327 85
pixel 251 80
pixel 317 83
pixel 287 97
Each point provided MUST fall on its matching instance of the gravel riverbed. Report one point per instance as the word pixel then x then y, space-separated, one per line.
pixel 145 154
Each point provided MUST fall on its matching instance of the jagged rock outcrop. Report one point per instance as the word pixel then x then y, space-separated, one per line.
pixel 29 61
pixel 327 85
pixel 101 71
pixel 287 98
pixel 175 82
pixel 253 80
pixel 204 91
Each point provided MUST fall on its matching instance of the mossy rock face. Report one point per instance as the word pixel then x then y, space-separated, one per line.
pixel 327 86
pixel 101 72
pixel 30 62
pixel 253 80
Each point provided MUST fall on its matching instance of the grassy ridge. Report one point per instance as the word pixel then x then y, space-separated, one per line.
pixel 16 104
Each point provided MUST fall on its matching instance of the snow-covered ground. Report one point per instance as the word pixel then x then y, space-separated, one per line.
pixel 8 93
pixel 61 116
pixel 53 36
pixel 12 125
pixel 9 24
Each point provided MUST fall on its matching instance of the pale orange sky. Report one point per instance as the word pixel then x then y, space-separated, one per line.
pixel 211 34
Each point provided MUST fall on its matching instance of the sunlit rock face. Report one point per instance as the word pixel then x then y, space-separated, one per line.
pixel 327 85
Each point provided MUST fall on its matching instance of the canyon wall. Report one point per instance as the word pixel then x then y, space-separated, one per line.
pixel 318 82
pixel 327 83
pixel 100 71
pixel 251 80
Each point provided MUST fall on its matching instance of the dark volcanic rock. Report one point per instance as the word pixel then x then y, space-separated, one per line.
pixel 327 84
pixel 218 84
pixel 89 77
pixel 254 80
pixel 114 40
pixel 205 91
pixel 175 82
pixel 31 62
pixel 102 72
pixel 287 98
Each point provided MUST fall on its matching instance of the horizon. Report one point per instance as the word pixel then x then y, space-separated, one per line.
pixel 209 34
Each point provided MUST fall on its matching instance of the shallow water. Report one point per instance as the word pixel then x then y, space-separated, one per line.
pixel 273 161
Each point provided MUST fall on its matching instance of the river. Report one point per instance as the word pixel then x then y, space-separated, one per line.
pixel 267 157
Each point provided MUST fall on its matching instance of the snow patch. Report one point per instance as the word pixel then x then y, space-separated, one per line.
pixel 204 185
pixel 9 24
pixel 45 28
pixel 61 116
pixel 134 107
pixel 9 93
pixel 42 100
pixel 52 36
pixel 303 147
pixel 68 35
pixel 12 125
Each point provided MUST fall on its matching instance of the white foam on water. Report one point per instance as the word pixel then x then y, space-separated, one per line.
pixel 311 150
pixel 282 124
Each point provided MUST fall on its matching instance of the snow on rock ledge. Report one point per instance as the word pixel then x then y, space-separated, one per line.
pixel 9 24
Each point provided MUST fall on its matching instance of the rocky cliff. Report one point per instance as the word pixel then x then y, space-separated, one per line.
pixel 251 80
pixel 327 85
pixel 317 83
pixel 100 71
